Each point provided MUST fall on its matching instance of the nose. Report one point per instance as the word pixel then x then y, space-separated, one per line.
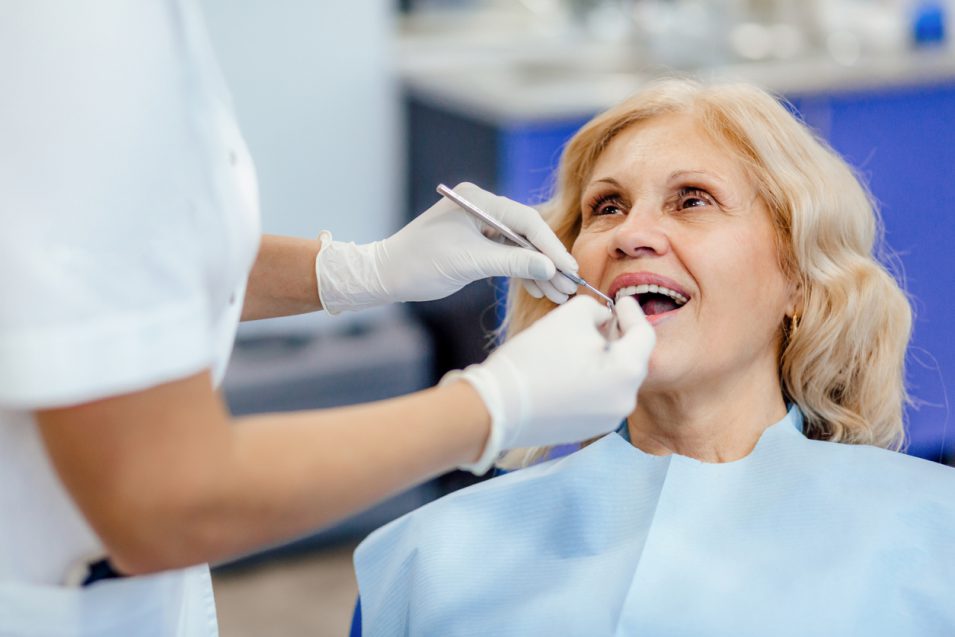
pixel 640 235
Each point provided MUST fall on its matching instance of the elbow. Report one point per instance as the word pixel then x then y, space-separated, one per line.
pixel 133 553
pixel 145 554
pixel 150 539
pixel 128 560
pixel 133 556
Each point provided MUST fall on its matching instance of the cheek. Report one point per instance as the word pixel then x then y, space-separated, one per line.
pixel 768 284
pixel 745 286
pixel 591 254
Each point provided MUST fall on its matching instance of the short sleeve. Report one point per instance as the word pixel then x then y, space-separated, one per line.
pixel 107 225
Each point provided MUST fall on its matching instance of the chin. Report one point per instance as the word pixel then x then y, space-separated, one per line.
pixel 664 373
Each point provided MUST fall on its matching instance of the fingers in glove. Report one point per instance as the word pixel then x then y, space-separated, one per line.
pixel 564 284
pixel 522 219
pixel 542 236
pixel 635 329
pixel 532 288
pixel 576 321
pixel 473 193
pixel 495 259
pixel 629 313
pixel 584 309
pixel 529 222
pixel 552 293
pixel 559 291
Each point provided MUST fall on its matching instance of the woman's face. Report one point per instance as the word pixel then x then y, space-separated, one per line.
pixel 666 206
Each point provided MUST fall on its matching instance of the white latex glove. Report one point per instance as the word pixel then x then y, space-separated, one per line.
pixel 438 253
pixel 560 380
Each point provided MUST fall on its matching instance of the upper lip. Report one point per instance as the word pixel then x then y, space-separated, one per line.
pixel 644 278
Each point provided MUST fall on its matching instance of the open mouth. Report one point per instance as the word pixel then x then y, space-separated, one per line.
pixel 653 299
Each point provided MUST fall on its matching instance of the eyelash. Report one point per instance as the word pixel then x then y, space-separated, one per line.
pixel 597 209
pixel 691 192
pixel 598 202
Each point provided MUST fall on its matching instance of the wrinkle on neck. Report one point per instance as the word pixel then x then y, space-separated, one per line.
pixel 717 423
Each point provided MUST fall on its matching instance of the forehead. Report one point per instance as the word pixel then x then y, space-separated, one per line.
pixel 667 143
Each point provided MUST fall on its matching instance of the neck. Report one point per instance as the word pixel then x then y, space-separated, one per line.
pixel 715 422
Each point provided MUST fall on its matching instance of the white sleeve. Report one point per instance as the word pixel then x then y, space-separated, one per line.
pixel 104 276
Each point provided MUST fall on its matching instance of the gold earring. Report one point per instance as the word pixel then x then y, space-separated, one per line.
pixel 793 327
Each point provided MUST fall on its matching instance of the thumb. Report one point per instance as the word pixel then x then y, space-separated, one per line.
pixel 634 325
pixel 629 314
pixel 582 308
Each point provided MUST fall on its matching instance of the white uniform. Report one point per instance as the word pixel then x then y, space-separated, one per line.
pixel 128 224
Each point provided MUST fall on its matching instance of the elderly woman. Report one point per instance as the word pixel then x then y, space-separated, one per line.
pixel 756 488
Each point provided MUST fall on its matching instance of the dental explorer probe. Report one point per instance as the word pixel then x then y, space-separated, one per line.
pixel 513 237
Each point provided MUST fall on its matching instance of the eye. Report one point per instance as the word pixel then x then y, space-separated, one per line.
pixel 606 204
pixel 694 198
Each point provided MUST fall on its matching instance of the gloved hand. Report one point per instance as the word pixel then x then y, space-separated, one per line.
pixel 560 380
pixel 438 253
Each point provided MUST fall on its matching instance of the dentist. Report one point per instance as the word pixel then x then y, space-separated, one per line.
pixel 129 250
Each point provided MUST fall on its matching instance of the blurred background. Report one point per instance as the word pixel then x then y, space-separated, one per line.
pixel 355 111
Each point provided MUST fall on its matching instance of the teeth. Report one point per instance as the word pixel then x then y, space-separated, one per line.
pixel 632 290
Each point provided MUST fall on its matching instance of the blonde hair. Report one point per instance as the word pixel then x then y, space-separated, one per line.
pixel 844 365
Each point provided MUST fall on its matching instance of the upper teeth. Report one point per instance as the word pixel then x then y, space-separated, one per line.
pixel 633 290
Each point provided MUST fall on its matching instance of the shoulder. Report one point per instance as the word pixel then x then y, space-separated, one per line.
pixel 886 470
pixel 492 497
pixel 528 497
pixel 465 542
pixel 885 459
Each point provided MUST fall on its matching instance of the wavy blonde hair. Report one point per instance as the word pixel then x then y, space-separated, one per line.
pixel 844 365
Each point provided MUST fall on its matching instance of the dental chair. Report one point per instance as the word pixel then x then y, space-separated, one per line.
pixel 355 630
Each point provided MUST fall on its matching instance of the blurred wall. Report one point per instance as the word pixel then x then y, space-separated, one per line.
pixel 318 105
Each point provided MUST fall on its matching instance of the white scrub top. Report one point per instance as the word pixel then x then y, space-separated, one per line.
pixel 128 225
pixel 800 537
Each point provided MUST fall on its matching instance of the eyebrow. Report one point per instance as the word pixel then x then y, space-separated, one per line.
pixel 678 174
pixel 605 180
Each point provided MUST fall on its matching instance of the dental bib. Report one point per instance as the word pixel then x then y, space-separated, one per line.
pixel 800 537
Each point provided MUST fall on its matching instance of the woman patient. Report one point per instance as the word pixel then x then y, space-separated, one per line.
pixel 756 488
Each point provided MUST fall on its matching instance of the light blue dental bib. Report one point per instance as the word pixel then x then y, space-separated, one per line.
pixel 801 537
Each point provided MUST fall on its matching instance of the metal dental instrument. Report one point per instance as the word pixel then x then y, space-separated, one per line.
pixel 516 238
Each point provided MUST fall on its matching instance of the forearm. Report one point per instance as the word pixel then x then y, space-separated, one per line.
pixel 282 281
pixel 282 475
pixel 298 472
